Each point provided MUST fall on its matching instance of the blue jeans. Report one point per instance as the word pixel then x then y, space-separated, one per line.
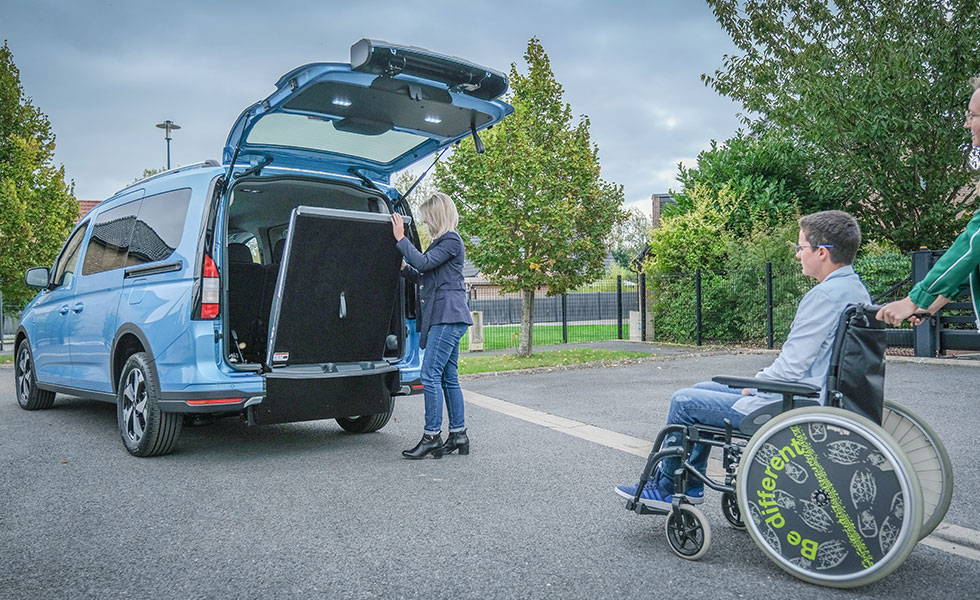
pixel 707 403
pixel 439 377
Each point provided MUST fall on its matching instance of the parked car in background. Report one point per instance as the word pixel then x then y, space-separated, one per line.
pixel 266 285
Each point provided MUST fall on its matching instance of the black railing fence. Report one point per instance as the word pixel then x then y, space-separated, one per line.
pixel 750 306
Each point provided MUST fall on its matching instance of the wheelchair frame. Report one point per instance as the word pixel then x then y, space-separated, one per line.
pixel 688 531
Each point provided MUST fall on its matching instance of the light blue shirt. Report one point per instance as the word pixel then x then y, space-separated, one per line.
pixel 805 356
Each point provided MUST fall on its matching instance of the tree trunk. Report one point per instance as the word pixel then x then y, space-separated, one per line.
pixel 527 323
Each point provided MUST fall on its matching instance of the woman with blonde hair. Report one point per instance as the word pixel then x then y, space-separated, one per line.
pixel 960 265
pixel 443 321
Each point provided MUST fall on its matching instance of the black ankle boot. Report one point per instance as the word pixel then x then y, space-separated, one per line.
pixel 457 440
pixel 430 444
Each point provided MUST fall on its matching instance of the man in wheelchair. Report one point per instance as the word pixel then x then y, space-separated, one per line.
pixel 828 243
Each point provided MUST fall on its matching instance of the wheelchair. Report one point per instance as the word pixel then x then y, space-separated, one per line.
pixel 836 495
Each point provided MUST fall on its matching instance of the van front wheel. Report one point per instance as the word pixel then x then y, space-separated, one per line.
pixel 145 429
pixel 364 423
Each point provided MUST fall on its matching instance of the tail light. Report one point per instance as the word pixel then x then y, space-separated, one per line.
pixel 210 290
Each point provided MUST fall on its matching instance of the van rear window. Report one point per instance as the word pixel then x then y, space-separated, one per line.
pixel 139 232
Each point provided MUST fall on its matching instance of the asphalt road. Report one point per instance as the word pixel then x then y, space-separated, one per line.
pixel 307 510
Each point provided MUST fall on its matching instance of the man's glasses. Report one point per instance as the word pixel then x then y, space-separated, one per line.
pixel 799 247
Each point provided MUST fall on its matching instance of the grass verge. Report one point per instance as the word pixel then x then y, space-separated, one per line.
pixel 496 337
pixel 6 359
pixel 489 363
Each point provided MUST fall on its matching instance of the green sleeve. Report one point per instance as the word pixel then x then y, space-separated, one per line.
pixel 952 271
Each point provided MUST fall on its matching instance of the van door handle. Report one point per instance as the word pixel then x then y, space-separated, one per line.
pixel 64 309
pixel 79 307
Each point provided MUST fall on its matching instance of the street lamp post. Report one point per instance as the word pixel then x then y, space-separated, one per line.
pixel 168 126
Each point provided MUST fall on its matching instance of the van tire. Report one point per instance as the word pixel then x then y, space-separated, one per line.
pixel 364 423
pixel 145 429
pixel 29 396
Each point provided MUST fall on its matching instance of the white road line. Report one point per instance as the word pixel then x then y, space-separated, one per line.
pixel 946 537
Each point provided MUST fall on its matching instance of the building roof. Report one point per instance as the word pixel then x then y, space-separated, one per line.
pixel 84 206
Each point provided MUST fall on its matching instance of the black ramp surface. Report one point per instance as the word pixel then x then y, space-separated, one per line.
pixel 339 288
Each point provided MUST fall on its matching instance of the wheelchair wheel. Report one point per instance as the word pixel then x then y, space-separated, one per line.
pixel 830 497
pixel 929 460
pixel 729 508
pixel 688 532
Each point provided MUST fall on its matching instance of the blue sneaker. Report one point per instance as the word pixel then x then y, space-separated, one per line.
pixel 695 495
pixel 654 498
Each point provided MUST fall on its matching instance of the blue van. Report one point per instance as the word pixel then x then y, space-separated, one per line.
pixel 268 285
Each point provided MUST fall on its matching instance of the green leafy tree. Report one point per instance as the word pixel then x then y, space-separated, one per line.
pixel 876 89
pixel 38 209
pixel 629 237
pixel 770 177
pixel 534 211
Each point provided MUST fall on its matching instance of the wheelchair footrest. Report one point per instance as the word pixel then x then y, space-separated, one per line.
pixel 642 509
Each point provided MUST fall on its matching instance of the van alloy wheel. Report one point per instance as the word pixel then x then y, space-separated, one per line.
pixel 29 396
pixel 134 405
pixel 145 429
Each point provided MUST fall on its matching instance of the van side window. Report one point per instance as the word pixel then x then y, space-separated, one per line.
pixel 159 226
pixel 138 232
pixel 109 244
pixel 65 267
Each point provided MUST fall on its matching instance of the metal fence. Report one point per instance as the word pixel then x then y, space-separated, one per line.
pixel 598 311
pixel 751 306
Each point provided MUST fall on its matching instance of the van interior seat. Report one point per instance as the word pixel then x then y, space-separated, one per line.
pixel 246 282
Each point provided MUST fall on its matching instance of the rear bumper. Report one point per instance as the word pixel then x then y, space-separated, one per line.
pixel 293 395
pixel 300 394
pixel 214 401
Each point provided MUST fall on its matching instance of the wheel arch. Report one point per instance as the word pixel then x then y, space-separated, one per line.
pixel 129 340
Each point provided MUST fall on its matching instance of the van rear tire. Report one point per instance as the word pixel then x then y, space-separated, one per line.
pixel 145 429
pixel 364 423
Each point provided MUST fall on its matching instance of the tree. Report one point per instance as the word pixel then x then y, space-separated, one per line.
pixel 149 173
pixel 876 89
pixel 403 181
pixel 38 209
pixel 630 237
pixel 533 209
pixel 769 176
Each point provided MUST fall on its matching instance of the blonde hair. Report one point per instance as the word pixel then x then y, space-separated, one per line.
pixel 440 214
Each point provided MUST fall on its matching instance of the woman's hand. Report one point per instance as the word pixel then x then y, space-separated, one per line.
pixel 397 226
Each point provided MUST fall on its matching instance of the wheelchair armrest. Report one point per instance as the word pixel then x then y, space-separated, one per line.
pixel 769 385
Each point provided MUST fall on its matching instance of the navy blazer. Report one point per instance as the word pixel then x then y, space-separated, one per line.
pixel 439 273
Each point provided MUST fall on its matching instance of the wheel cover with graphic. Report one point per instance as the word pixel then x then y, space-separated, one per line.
pixel 830 497
pixel 134 405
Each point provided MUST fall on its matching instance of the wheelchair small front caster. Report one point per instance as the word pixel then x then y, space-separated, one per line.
pixel 688 532
pixel 729 508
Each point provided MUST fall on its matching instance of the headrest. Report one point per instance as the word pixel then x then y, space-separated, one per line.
pixel 239 253
pixel 277 251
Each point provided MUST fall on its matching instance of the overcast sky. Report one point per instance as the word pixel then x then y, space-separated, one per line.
pixel 106 72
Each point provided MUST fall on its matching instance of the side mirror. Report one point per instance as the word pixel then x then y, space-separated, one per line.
pixel 38 277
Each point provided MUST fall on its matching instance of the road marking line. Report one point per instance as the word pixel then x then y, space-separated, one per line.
pixel 946 537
